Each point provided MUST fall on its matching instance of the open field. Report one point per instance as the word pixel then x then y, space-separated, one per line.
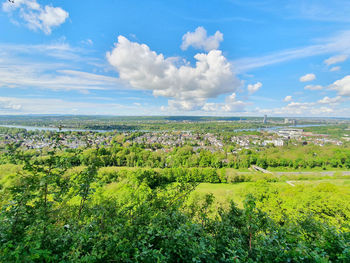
pixel 224 193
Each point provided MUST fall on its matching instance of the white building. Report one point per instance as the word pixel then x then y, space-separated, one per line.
pixel 277 142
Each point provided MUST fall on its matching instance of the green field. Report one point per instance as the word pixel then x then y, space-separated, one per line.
pixel 224 193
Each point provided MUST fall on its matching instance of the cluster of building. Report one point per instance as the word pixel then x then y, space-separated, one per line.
pixel 208 141
pixel 307 137
pixel 172 139
pixel 40 140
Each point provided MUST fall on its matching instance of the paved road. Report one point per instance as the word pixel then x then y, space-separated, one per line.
pixel 324 173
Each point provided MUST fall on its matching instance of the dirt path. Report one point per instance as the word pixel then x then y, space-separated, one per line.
pixel 290 183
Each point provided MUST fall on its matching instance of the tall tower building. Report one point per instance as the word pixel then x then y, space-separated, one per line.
pixel 265 119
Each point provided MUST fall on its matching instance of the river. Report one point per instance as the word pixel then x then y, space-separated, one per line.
pixel 34 128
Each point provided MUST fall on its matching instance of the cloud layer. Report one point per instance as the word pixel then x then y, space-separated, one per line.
pixel 339 43
pixel 50 67
pixel 11 105
pixel 188 87
pixel 36 16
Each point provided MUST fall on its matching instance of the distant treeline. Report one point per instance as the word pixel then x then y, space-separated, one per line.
pixel 135 155
pixel 150 123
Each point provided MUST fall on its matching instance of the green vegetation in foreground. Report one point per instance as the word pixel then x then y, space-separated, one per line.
pixel 126 203
pixel 52 211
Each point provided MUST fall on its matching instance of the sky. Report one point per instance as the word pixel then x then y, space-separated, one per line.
pixel 286 58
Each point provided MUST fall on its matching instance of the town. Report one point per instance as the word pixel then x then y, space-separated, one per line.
pixel 167 140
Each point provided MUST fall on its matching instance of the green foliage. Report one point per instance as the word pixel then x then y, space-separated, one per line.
pixel 86 206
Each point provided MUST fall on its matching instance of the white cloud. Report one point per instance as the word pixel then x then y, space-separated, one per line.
pixel 336 59
pixel 252 88
pixel 292 109
pixel 59 50
pixel 199 39
pixel 342 86
pixel 288 98
pixel 54 66
pixel 315 10
pixel 337 43
pixel 322 110
pixel 20 106
pixel 188 87
pixel 335 68
pixel 324 107
pixel 36 16
pixel 186 104
pixel 87 42
pixel 307 77
pixel 328 100
pixel 6 104
pixel 299 104
pixel 322 10
pixel 313 87
pixel 231 104
pixel 32 76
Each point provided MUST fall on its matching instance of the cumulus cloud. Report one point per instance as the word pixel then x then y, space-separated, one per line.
pixel 231 104
pixel 252 88
pixel 288 98
pixel 294 109
pixel 313 87
pixel 307 77
pixel 36 16
pixel 299 104
pixel 342 86
pixel 336 59
pixel 327 106
pixel 199 39
pixel 328 100
pixel 188 87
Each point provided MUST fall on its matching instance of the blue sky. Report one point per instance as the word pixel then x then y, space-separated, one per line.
pixel 223 57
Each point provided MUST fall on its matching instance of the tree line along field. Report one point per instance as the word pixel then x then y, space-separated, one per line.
pixel 276 158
